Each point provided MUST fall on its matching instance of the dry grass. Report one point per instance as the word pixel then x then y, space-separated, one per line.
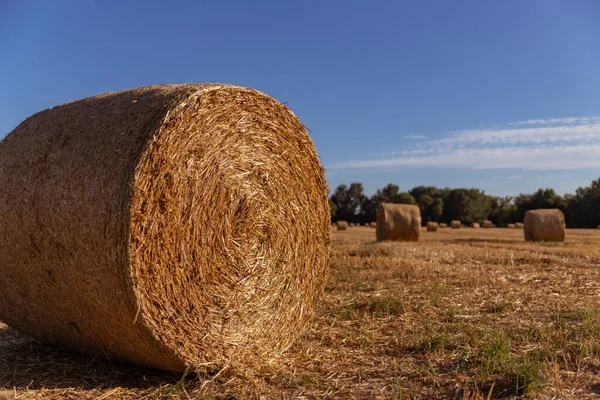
pixel 461 314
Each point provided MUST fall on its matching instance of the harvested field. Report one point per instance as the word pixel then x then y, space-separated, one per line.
pixel 460 314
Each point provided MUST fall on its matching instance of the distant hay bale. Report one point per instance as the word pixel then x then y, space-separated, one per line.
pixel 342 225
pixel 455 224
pixel 475 225
pixel 510 226
pixel 432 226
pixel 373 224
pixel 546 225
pixel 598 227
pixel 487 224
pixel 352 224
pixel 443 225
pixel 519 225
pixel 398 222
pixel 167 226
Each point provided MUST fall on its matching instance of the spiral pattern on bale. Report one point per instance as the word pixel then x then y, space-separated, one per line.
pixel 170 226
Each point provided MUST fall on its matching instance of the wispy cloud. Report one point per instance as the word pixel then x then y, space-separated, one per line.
pixel 561 144
pixel 553 121
pixel 415 137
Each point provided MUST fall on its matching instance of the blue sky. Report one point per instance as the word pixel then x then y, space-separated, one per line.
pixel 503 96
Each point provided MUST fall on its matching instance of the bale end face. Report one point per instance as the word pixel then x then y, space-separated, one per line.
pixel 546 225
pixel 398 222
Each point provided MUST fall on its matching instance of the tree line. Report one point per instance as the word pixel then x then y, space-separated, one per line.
pixel 582 209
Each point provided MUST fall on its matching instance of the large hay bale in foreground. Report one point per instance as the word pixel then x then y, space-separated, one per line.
pixel 487 224
pixel 455 224
pixel 398 222
pixel 432 226
pixel 475 225
pixel 168 226
pixel 342 225
pixel 546 225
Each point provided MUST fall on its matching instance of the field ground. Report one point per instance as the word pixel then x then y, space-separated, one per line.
pixel 462 314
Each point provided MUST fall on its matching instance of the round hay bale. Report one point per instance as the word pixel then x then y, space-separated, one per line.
pixel 487 224
pixel 443 225
pixel 455 224
pixel 432 226
pixel 519 225
pixel 510 226
pixel 352 224
pixel 342 225
pixel 475 225
pixel 398 222
pixel 546 225
pixel 170 226
pixel 373 224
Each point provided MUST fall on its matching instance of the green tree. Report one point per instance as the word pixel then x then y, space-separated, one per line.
pixel 349 202
pixel 583 208
pixel 406 198
pixel 543 198
pixel 466 205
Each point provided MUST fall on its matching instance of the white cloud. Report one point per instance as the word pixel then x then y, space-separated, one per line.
pixel 552 158
pixel 571 120
pixel 415 137
pixel 557 147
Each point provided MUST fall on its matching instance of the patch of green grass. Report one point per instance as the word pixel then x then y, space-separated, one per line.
pixel 497 307
pixel 386 306
pixel 436 295
pixel 379 306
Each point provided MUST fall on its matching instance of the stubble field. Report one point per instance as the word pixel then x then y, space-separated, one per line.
pixel 469 313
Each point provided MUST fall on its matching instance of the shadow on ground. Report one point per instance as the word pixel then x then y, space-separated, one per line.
pixel 25 363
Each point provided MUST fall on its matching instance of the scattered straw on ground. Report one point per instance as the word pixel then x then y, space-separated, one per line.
pixel 462 314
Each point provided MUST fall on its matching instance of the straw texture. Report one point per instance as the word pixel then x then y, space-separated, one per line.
pixel 455 224
pixel 544 225
pixel 487 224
pixel 168 226
pixel 398 222
pixel 432 226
